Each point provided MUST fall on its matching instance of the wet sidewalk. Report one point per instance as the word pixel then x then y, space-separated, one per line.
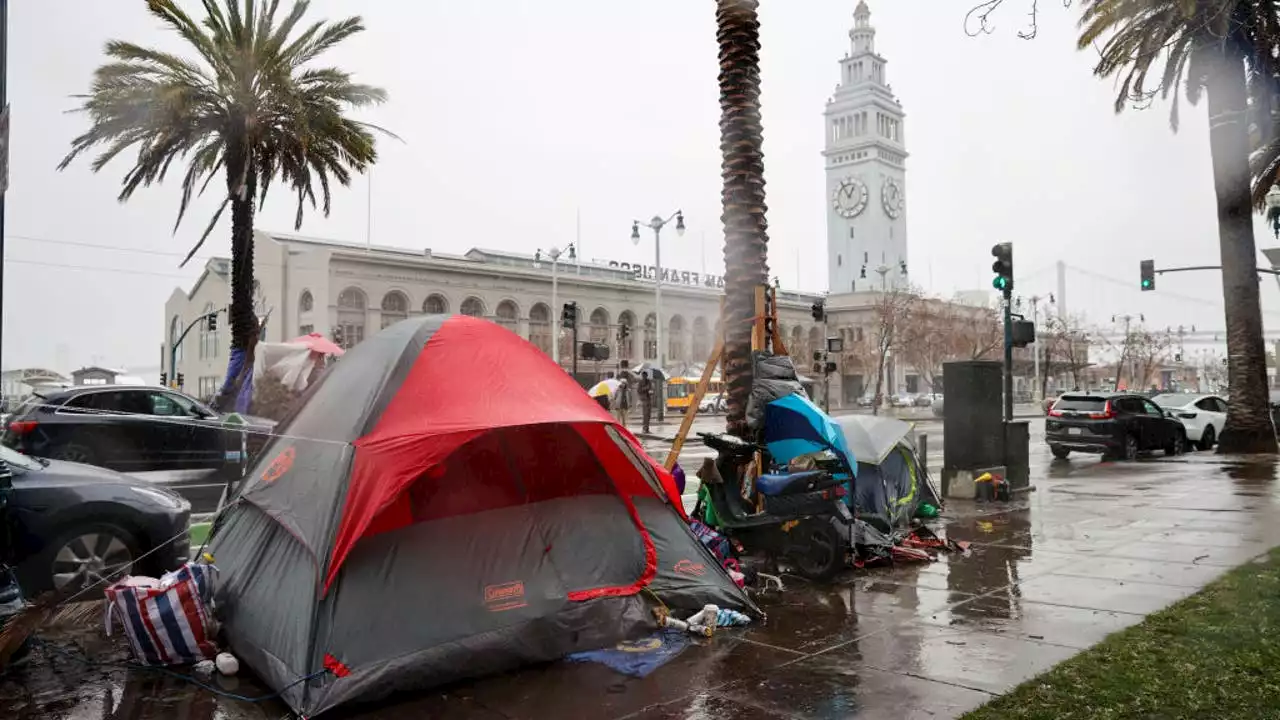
pixel 1093 550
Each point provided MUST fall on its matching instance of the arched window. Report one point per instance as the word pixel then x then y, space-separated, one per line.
pixel 395 307
pixel 540 327
pixel 599 326
pixel 627 349
pixel 508 315
pixel 175 329
pixel 701 340
pixel 306 302
pixel 208 338
pixel 435 304
pixel 650 337
pixel 473 306
pixel 676 346
pixel 797 347
pixel 351 317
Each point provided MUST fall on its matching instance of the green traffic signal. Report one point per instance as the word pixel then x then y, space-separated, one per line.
pixel 1000 282
pixel 1146 283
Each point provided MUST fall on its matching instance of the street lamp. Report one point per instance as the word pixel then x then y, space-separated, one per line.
pixel 554 253
pixel 656 223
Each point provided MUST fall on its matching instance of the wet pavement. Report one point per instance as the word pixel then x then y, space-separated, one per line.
pixel 1091 551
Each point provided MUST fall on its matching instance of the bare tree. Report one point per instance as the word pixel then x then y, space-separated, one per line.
pixel 1147 352
pixel 892 312
pixel 1066 348
pixel 941 331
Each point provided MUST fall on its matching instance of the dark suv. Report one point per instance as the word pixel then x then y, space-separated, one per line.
pixel 1117 425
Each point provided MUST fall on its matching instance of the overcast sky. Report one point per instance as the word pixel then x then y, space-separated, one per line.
pixel 516 115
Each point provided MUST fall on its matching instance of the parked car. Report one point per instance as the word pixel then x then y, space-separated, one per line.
pixel 78 524
pixel 901 400
pixel 712 403
pixel 136 429
pixel 1119 425
pixel 924 399
pixel 1202 415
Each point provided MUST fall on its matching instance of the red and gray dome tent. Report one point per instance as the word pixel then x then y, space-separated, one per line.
pixel 448 503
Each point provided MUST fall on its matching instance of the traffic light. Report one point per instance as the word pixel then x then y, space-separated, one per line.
pixel 818 311
pixel 569 316
pixel 595 351
pixel 1003 268
pixel 1147 268
pixel 164 379
pixel 211 322
pixel 624 332
pixel 1024 333
pixel 181 380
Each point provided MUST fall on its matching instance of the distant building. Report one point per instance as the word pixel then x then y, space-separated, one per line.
pixel 21 383
pixel 94 375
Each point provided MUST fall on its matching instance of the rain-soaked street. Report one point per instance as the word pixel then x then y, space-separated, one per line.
pixel 1095 548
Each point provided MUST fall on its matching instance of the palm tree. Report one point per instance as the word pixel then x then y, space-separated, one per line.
pixel 249 106
pixel 746 241
pixel 1207 46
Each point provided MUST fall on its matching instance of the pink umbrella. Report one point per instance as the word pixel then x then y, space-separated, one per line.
pixel 319 344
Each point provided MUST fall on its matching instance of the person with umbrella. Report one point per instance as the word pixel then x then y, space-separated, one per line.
pixel 604 391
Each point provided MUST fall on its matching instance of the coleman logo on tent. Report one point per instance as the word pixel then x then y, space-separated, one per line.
pixel 279 466
pixel 689 567
pixel 507 596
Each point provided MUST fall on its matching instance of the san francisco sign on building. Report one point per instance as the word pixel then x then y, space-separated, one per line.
pixel 669 275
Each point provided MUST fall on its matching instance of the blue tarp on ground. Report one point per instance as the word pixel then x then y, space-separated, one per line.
pixel 638 658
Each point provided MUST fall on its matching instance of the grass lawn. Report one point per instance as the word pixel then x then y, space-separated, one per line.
pixel 1215 654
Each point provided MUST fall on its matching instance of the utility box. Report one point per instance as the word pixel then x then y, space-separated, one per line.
pixel 1017 455
pixel 973 424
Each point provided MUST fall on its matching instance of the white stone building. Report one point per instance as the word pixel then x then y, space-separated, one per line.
pixel 311 285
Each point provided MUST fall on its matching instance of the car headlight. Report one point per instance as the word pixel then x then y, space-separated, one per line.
pixel 163 497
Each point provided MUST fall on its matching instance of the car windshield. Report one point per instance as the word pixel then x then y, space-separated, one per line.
pixel 1080 403
pixel 1175 400
pixel 18 460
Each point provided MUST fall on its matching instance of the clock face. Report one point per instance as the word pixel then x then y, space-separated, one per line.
pixel 893 199
pixel 850 197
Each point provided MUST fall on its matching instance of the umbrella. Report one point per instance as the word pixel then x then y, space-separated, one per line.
pixel 871 437
pixel 794 426
pixel 316 342
pixel 604 388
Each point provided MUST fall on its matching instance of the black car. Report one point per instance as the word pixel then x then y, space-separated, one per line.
pixel 78 524
pixel 1119 425
pixel 122 427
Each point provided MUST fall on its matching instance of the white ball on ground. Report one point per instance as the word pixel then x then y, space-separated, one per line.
pixel 227 663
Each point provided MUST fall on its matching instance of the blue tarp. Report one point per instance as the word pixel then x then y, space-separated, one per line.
pixel 638 658
pixel 794 426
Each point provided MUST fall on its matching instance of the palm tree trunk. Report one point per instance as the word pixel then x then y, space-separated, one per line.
pixel 241 187
pixel 746 241
pixel 1248 428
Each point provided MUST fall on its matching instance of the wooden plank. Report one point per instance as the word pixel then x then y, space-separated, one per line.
pixel 757 321
pixel 692 411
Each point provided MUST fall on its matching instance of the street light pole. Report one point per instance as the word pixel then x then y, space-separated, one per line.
pixel 554 253
pixel 657 223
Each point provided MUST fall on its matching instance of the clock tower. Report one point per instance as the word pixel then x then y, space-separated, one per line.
pixel 865 161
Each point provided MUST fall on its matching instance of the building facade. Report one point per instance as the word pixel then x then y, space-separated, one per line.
pixel 865 163
pixel 349 292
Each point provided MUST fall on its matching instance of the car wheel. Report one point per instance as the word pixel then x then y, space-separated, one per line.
pixel 1130 451
pixel 89 554
pixel 76 453
pixel 1177 446
pixel 1059 452
pixel 1208 438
